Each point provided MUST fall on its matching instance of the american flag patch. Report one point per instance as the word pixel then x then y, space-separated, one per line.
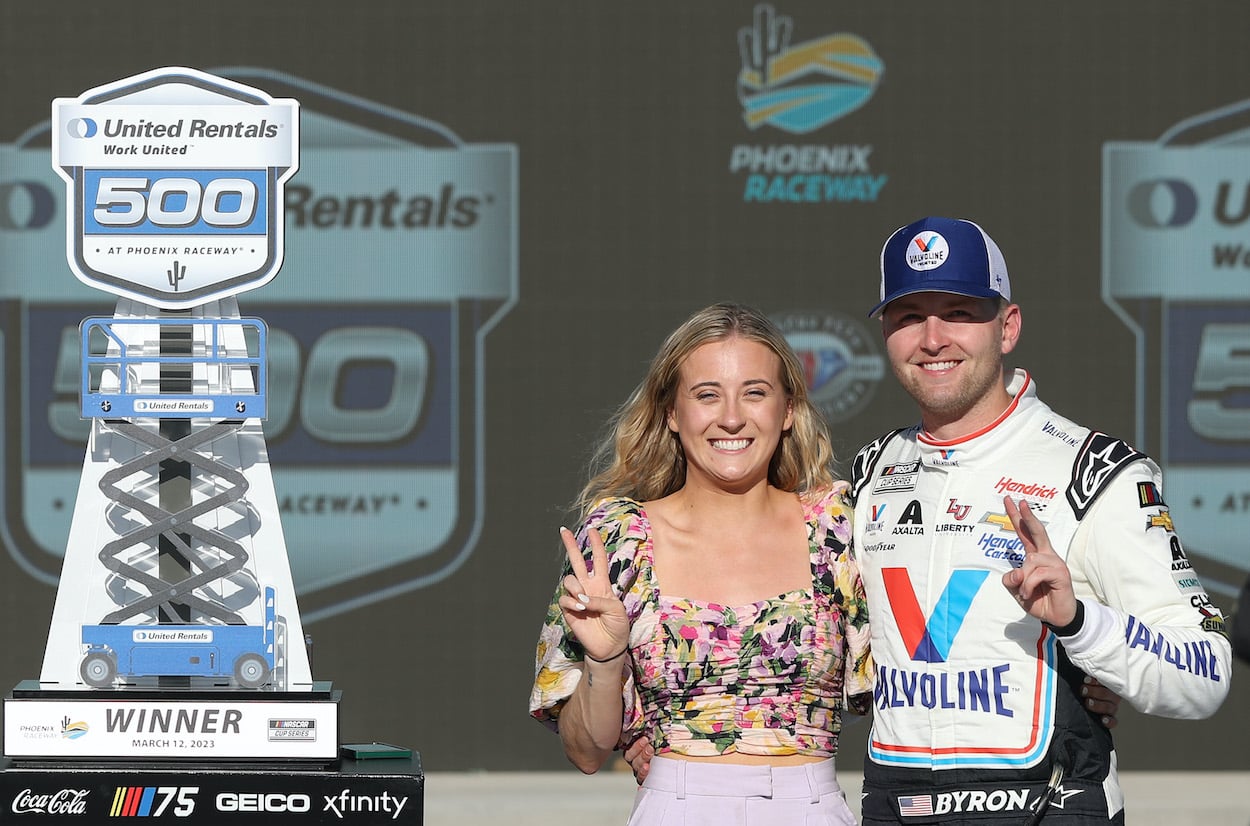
pixel 920 805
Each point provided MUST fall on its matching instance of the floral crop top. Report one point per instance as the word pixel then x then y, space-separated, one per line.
pixel 768 678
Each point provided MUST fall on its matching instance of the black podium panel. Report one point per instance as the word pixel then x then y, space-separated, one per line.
pixel 354 792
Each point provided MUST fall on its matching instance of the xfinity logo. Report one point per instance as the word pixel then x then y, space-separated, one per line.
pixel 347 803
pixel 64 802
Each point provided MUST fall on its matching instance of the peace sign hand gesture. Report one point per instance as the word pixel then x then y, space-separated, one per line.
pixel 594 614
pixel 1042 584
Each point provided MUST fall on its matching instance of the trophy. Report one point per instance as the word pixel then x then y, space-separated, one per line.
pixel 175 635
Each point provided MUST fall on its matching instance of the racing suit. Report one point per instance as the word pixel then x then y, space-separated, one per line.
pixel 976 703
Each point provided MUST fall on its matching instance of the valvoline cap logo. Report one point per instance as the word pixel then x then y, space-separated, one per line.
pixel 927 251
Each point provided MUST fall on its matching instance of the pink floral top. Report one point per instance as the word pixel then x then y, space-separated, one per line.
pixel 768 678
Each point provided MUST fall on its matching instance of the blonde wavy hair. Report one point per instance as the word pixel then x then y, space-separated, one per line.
pixel 642 459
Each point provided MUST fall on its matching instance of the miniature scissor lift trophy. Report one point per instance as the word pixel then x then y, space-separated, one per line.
pixel 175 634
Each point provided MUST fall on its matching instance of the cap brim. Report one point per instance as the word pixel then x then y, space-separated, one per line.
pixel 936 287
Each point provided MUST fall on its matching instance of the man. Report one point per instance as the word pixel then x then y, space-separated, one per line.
pixel 1004 550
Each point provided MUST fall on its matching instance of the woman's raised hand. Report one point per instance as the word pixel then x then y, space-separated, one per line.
pixel 594 614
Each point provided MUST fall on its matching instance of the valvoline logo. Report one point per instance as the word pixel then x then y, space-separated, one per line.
pixel 927 251
pixel 929 639
pixel 925 243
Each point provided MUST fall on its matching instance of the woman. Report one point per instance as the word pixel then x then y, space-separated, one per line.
pixel 710 601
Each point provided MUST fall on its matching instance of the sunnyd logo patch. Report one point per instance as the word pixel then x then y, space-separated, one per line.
pixel 400 257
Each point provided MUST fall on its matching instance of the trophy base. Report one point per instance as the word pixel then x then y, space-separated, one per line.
pixel 171 726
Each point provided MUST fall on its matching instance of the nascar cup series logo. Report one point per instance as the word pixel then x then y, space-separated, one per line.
pixel 801 88
pixel 398 255
pixel 1176 270
pixel 840 360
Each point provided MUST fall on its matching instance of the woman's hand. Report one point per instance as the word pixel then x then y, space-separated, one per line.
pixel 1100 700
pixel 595 615
pixel 638 755
pixel 1042 584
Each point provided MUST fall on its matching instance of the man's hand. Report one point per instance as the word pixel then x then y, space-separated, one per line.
pixel 638 756
pixel 1042 584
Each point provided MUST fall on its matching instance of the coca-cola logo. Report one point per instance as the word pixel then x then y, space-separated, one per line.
pixel 64 802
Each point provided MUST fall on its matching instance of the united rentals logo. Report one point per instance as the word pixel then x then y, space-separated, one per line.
pixel 159 180
pixel 800 89
pixel 400 258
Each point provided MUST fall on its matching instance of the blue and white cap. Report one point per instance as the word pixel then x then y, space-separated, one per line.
pixel 942 255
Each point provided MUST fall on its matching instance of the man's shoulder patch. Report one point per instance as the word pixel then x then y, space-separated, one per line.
pixel 866 463
pixel 1099 460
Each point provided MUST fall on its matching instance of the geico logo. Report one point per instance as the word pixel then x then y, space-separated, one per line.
pixel 25 205
pixel 260 802
pixel 390 210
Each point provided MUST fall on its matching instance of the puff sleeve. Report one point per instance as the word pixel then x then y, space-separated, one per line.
pixel 841 576
pixel 559 658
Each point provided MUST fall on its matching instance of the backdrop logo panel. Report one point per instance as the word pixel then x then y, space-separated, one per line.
pixel 1176 269
pixel 801 88
pixel 841 360
pixel 400 257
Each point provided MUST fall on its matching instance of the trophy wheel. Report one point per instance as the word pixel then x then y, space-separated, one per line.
pixel 98 669
pixel 251 670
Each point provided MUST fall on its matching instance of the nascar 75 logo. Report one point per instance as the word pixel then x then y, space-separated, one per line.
pixel 153 801
pixel 930 639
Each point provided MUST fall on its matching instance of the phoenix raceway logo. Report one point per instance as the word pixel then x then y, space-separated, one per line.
pixel 800 89
pixel 841 361
pixel 1176 271
pixel 400 258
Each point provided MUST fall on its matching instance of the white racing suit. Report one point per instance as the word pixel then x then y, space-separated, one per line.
pixel 977 703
